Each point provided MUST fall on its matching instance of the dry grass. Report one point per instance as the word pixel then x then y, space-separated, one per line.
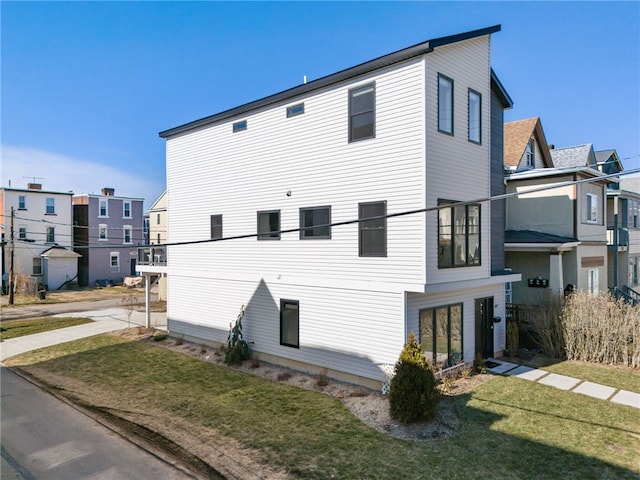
pixel 18 328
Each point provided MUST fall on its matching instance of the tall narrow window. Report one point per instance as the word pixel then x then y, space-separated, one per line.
pixel 103 208
pixel 530 153
pixel 22 233
pixel 315 222
pixel 51 206
pixel 372 233
pixel 158 238
pixel 114 261
pixel 158 219
pixel 441 334
pixel 458 235
pixel 475 116
pixel 51 234
pixel 216 227
pixel 362 112
pixel 37 266
pixel 127 235
pixel 593 282
pixel 126 209
pixel 445 104
pixel 592 208
pixel 290 323
pixel 22 202
pixel 102 232
pixel 269 225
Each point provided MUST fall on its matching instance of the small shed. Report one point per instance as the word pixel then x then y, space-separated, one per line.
pixel 59 265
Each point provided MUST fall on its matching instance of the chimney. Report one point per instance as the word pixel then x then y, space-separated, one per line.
pixel 552 146
pixel 108 192
pixel 34 186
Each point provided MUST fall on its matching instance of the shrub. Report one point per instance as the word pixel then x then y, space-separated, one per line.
pixel 236 349
pixel 413 394
pixel 322 378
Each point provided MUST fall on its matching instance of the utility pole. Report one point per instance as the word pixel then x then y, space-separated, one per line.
pixel 11 247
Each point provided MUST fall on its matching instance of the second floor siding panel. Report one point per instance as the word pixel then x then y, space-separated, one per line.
pixel 285 164
pixel 458 169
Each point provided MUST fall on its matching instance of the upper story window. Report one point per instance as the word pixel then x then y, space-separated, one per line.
pixel 158 219
pixel 530 154
pixel 294 110
pixel 445 104
pixel 315 222
pixel 103 208
pixel 239 126
pixel 592 208
pixel 126 209
pixel 372 234
pixel 127 235
pixel 269 225
pixel 51 234
pixel 475 116
pixel 22 202
pixel 22 233
pixel 216 227
pixel 102 232
pixel 362 112
pixel 458 235
pixel 51 206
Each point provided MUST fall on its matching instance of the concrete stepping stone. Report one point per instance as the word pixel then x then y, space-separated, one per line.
pixel 527 373
pixel 559 381
pixel 501 368
pixel 595 390
pixel 624 397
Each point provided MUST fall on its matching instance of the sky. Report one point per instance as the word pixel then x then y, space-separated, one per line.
pixel 86 87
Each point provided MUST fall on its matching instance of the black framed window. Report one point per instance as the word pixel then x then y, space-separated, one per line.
pixel 269 225
pixel 51 234
pixel 295 110
pixel 530 153
pixel 372 235
pixel 458 235
pixel 445 104
pixel 362 112
pixel 239 126
pixel 315 222
pixel 441 334
pixel 290 323
pixel 216 227
pixel 475 116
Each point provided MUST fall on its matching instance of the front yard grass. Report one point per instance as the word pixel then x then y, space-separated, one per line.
pixel 509 428
pixel 18 328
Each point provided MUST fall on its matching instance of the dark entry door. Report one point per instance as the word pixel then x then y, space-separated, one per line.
pixel 484 326
pixel 133 267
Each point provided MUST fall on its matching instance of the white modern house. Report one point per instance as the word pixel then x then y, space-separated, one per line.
pixel 299 207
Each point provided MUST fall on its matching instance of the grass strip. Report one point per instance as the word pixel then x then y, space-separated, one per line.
pixel 510 428
pixel 617 377
pixel 19 328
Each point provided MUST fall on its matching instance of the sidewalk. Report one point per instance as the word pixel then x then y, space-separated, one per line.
pixel 562 382
pixel 104 321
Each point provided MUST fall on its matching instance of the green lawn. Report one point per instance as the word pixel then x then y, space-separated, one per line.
pixel 510 428
pixel 18 328
pixel 618 377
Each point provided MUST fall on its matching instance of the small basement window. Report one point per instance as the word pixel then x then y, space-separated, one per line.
pixel 294 110
pixel 239 126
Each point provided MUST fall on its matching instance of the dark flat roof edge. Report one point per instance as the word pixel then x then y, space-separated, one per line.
pixel 29 190
pixel 366 67
pixel 506 100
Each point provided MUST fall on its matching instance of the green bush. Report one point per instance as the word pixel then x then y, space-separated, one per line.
pixel 236 350
pixel 413 393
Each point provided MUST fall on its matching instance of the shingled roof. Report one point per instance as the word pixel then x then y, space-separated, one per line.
pixel 516 136
pixel 578 156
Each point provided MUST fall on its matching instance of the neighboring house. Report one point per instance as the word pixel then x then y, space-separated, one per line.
pixel 107 232
pixel 417 129
pixel 42 220
pixel 558 236
pixel 623 226
pixel 158 234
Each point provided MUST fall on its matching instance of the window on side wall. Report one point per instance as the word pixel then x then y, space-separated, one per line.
pixel 22 202
pixel 530 153
pixel 315 223
pixel 290 323
pixel 475 116
pixel 445 104
pixel 51 206
pixel 441 334
pixel 269 225
pixel 114 261
pixel 362 112
pixel 593 283
pixel 372 236
pixel 592 208
pixel 458 235
pixel 295 110
pixel 51 234
pixel 127 234
pixel 126 209
pixel 22 233
pixel 37 266
pixel 102 232
pixel 103 210
pixel 216 227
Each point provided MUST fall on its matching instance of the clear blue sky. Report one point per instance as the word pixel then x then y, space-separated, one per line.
pixel 87 86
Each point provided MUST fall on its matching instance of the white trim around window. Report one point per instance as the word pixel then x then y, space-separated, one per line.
pixel 114 261
pixel 103 233
pixel 592 208
pixel 126 209
pixel 127 234
pixel 103 208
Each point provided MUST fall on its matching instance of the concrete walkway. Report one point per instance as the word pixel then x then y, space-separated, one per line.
pixel 104 321
pixel 562 382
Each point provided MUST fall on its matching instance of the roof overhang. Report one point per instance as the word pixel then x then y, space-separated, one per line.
pixel 476 283
pixel 540 247
pixel 361 69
